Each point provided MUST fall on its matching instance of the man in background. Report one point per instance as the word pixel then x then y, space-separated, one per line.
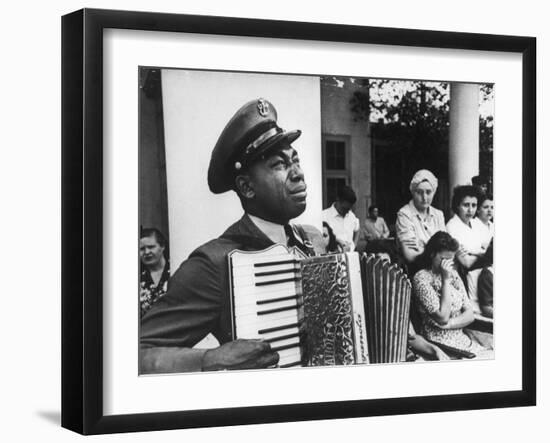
pixel 375 226
pixel 342 220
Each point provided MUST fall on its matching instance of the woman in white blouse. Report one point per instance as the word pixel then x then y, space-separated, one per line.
pixel 485 212
pixel 466 229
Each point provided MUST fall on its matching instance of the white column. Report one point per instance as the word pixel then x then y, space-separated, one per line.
pixel 463 134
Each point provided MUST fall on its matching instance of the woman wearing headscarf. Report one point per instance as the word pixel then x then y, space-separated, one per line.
pixel 418 220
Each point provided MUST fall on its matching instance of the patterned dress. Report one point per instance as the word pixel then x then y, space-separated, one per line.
pixel 427 290
pixel 149 293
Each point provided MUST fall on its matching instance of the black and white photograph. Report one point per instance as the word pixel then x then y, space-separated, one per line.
pixel 275 222
pixel 286 221
pixel 291 220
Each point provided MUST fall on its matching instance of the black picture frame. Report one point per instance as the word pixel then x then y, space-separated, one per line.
pixel 82 218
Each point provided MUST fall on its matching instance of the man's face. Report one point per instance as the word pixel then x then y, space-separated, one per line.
pixel 373 213
pixel 343 207
pixel 150 252
pixel 279 189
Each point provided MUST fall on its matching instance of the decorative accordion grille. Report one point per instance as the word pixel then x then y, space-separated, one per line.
pixel 328 313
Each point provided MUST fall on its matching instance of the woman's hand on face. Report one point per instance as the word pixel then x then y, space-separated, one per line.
pixel 411 243
pixel 447 268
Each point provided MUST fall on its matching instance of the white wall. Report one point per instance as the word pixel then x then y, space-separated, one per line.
pixel 30 181
pixel 197 106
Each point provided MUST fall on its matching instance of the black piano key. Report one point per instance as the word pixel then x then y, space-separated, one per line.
pixel 278 328
pixel 275 263
pixel 280 271
pixel 275 282
pixel 274 300
pixel 274 311
pixel 289 346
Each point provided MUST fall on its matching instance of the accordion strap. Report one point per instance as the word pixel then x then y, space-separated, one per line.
pixel 303 242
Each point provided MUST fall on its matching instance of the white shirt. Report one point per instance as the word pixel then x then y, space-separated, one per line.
pixel 410 224
pixel 343 227
pixel 471 238
pixel 275 232
pixel 486 231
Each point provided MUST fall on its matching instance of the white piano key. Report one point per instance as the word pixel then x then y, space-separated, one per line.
pixel 289 341
pixel 259 291
pixel 264 297
pixel 252 314
pixel 268 320
pixel 289 356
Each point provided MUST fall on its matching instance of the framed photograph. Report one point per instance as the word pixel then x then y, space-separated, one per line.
pixel 270 221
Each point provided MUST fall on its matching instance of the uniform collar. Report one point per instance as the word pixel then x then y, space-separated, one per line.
pixel 273 231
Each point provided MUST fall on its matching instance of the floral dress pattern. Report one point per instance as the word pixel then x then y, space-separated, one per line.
pixel 427 290
pixel 149 293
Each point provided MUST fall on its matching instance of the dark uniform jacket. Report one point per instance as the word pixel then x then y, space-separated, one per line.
pixel 198 299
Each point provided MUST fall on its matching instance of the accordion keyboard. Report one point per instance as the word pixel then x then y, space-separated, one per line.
pixel 266 301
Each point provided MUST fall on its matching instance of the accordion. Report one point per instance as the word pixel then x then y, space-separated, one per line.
pixel 335 309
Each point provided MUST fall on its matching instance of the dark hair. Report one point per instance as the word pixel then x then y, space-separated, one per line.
pixel 153 232
pixel 439 242
pixel 460 193
pixel 332 245
pixel 479 180
pixel 483 197
pixel 345 193
pixel 372 207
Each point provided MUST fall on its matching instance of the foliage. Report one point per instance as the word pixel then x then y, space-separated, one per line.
pixel 413 116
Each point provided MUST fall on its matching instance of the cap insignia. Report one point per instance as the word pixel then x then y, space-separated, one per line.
pixel 263 107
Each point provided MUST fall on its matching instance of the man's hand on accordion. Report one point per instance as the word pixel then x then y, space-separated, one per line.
pixel 240 354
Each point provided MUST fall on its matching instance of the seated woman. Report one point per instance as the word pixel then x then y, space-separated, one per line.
pixel 418 220
pixel 441 298
pixel 155 268
pixel 485 216
pixel 467 231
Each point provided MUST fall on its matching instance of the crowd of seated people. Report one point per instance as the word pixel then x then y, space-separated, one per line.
pixel 449 264
pixel 440 311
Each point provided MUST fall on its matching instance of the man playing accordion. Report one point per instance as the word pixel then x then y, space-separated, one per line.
pixel 254 158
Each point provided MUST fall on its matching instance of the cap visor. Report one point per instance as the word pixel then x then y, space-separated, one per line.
pixel 286 137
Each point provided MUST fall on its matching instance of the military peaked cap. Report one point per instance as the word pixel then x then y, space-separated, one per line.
pixel 251 132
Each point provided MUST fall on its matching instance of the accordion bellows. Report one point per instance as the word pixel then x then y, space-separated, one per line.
pixel 387 295
pixel 336 309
